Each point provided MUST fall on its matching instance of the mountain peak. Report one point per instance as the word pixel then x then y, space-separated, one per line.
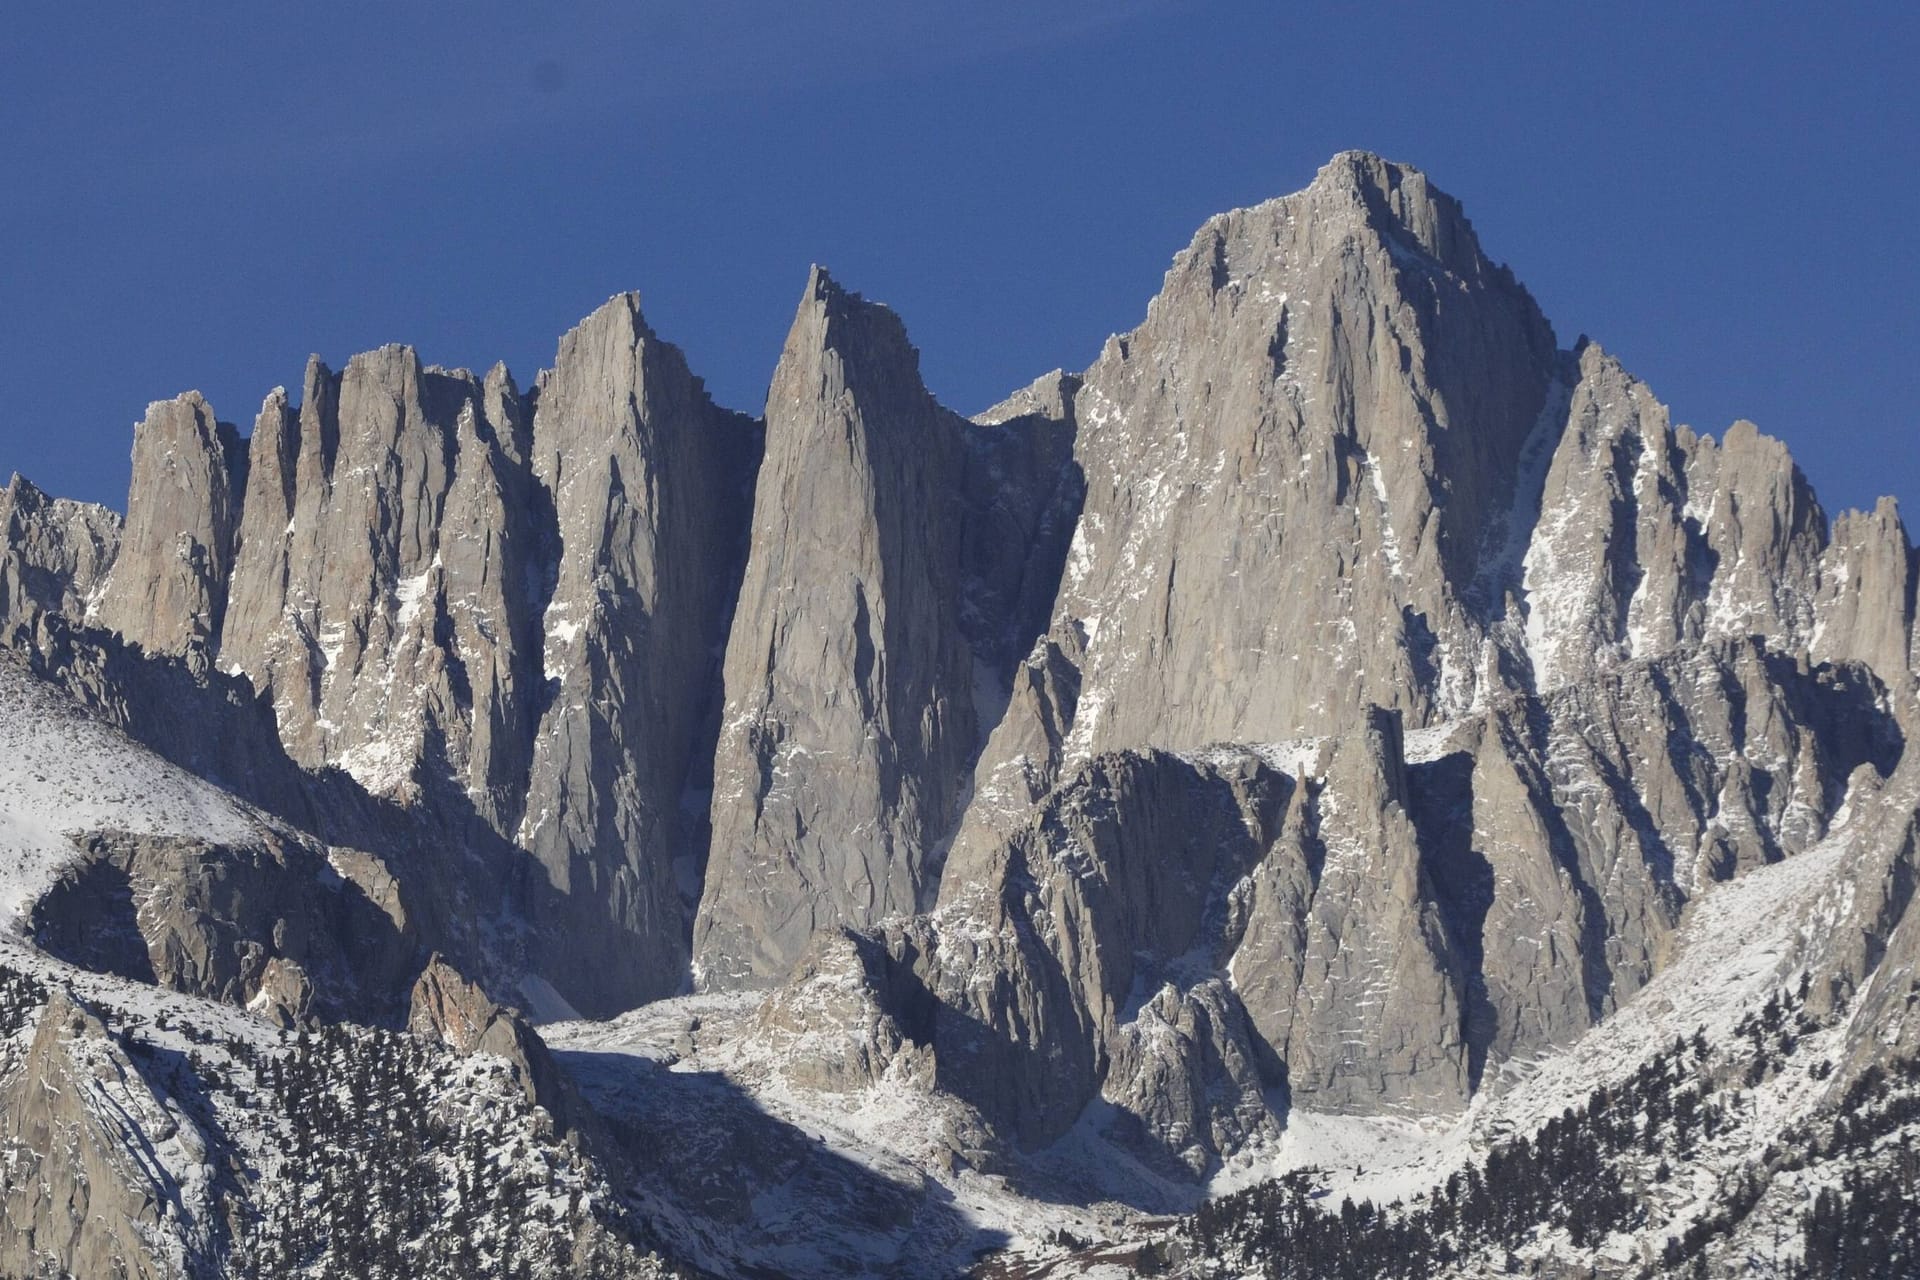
pixel 866 341
pixel 1399 198
pixel 1335 704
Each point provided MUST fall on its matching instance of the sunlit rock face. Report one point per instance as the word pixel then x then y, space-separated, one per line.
pixel 1338 699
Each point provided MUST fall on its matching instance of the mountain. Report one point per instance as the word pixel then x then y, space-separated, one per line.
pixel 1340 786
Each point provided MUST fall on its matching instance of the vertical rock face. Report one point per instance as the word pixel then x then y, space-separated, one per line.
pixel 648 482
pixel 1652 537
pixel 1322 406
pixel 1863 608
pixel 875 603
pixel 1375 1020
pixel 262 569
pixel 168 590
pixel 849 712
pixel 347 591
pixel 1367 933
pixel 54 552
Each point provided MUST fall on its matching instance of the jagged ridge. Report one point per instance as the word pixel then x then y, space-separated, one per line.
pixel 1334 695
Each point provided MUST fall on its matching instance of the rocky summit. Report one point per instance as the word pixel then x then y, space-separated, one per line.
pixel 1341 786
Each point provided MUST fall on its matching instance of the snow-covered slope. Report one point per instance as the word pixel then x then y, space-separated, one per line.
pixel 64 771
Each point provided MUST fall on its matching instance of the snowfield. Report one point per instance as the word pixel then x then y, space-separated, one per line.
pixel 64 772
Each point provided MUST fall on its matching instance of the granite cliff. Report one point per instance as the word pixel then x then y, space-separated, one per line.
pixel 1339 699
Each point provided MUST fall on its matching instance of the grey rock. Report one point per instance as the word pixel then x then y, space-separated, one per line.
pixel 54 553
pixel 1537 607
pixel 1183 936
pixel 167 591
pixel 262 568
pixel 649 483
pixel 879 596
pixel 102 1167
pixel 270 925
pixel 1653 537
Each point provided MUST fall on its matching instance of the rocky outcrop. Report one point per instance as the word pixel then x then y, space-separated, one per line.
pixel 896 551
pixel 449 1010
pixel 1185 1080
pixel 1374 1021
pixel 847 1018
pixel 167 591
pixel 506 612
pixel 347 596
pixel 54 553
pixel 649 483
pixel 1652 538
pixel 104 1171
pixel 1863 607
pixel 278 925
pixel 1568 833
pixel 1118 886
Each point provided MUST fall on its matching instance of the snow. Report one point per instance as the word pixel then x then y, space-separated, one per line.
pixel 1423 746
pixel 561 633
pixel 865 1143
pixel 1394 1153
pixel 379 764
pixel 1389 539
pixel 410 593
pixel 64 772
pixel 1297 758
pixel 1738 945
pixel 543 1003
pixel 333 639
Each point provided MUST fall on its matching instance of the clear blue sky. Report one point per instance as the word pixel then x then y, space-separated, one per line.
pixel 199 195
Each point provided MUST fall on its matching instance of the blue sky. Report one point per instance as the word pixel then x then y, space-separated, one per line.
pixel 198 196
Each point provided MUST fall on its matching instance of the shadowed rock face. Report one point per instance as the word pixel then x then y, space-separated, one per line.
pixel 280 926
pixel 1336 691
pixel 54 553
